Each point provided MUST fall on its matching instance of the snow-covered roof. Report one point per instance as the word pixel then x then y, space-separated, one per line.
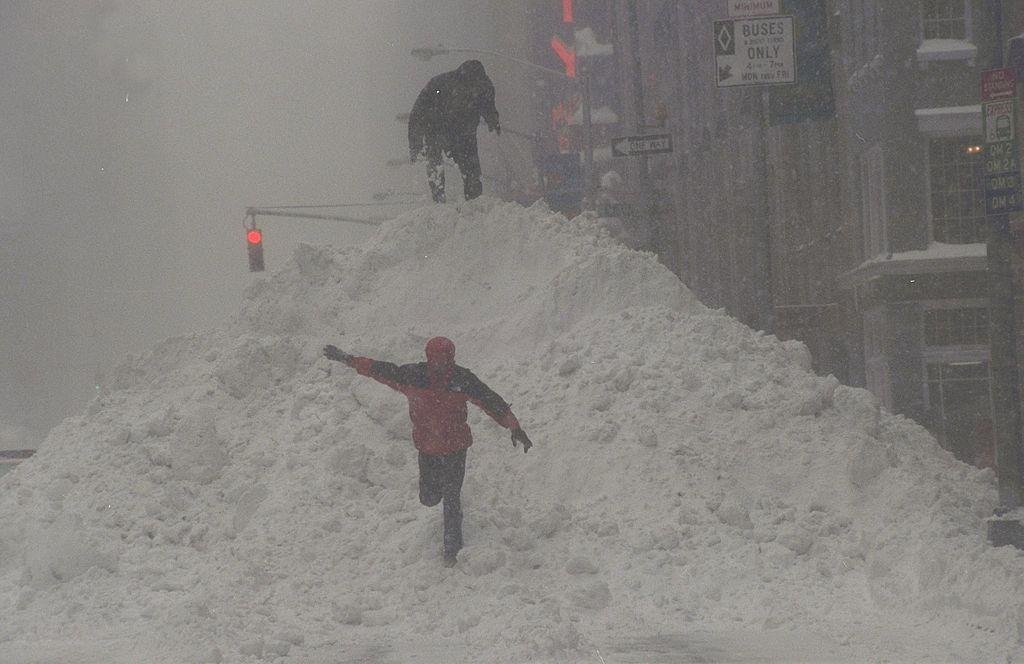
pixel 938 257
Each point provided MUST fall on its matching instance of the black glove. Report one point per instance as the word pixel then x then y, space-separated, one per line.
pixel 519 436
pixel 332 353
pixel 496 128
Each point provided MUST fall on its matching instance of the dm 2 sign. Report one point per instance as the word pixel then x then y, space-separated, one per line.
pixel 755 51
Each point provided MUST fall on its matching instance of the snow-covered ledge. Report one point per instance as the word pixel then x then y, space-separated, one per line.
pixel 938 257
pixel 950 121
pixel 935 50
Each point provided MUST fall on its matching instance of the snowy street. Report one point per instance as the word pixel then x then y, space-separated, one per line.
pixel 698 646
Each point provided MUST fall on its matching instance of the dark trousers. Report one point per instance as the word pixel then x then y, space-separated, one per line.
pixel 463 151
pixel 441 478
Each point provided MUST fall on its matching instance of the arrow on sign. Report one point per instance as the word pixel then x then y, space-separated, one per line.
pixel 632 146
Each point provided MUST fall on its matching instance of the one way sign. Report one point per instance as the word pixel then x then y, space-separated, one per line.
pixel 632 146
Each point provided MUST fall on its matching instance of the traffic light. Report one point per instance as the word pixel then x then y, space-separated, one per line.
pixel 254 241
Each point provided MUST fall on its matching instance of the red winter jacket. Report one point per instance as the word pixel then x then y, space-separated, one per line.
pixel 437 401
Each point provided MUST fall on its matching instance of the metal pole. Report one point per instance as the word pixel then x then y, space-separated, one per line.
pixel 253 212
pixel 588 145
pixel 505 56
pixel 1003 337
pixel 763 235
pixel 646 191
pixel 1005 392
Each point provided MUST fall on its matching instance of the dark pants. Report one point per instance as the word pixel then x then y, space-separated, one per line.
pixel 441 478
pixel 463 152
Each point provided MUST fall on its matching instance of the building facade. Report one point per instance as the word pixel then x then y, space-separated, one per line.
pixel 911 114
pixel 861 232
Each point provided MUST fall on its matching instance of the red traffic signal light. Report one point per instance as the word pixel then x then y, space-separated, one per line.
pixel 254 240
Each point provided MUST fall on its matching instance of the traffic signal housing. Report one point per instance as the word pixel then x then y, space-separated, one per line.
pixel 254 241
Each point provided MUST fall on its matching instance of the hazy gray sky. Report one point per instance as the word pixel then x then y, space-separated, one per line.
pixel 135 133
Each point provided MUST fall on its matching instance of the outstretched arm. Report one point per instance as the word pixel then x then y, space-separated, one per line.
pixel 497 408
pixel 383 372
pixel 333 353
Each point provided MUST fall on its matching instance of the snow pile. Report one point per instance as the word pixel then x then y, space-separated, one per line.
pixel 235 497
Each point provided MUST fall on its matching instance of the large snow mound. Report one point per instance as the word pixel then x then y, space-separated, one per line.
pixel 233 496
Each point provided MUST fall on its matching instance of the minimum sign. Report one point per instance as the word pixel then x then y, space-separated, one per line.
pixel 755 51
pixel 742 8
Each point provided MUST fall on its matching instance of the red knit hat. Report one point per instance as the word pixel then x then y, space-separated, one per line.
pixel 441 351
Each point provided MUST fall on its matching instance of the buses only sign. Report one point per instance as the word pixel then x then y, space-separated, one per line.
pixel 755 51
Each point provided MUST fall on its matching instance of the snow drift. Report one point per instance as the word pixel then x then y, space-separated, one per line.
pixel 232 496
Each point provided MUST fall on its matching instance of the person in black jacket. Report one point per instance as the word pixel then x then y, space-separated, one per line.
pixel 444 121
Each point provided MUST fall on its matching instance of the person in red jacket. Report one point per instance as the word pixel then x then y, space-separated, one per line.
pixel 438 391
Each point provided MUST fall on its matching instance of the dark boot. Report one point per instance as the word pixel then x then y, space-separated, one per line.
pixel 435 172
pixel 452 528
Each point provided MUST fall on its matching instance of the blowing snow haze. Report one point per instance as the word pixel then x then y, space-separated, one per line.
pixel 762 340
pixel 136 133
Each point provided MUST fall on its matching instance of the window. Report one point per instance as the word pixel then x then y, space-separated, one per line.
pixel 872 192
pixel 959 399
pixel 944 19
pixel 876 365
pixel 956 180
pixel 956 327
pixel 957 381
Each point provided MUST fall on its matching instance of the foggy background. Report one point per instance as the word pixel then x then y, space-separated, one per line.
pixel 135 134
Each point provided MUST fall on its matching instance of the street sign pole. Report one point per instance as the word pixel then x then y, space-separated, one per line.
pixel 1003 198
pixel 763 257
pixel 647 209
pixel 756 47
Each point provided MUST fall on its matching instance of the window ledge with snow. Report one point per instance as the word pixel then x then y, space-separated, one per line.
pixel 950 121
pixel 938 257
pixel 937 50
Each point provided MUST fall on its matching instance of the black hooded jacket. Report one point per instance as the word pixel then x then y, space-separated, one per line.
pixel 449 108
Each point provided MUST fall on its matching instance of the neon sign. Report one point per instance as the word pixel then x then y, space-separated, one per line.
pixel 565 53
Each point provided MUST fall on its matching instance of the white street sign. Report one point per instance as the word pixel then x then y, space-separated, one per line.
pixel 631 146
pixel 999 121
pixel 747 8
pixel 755 51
